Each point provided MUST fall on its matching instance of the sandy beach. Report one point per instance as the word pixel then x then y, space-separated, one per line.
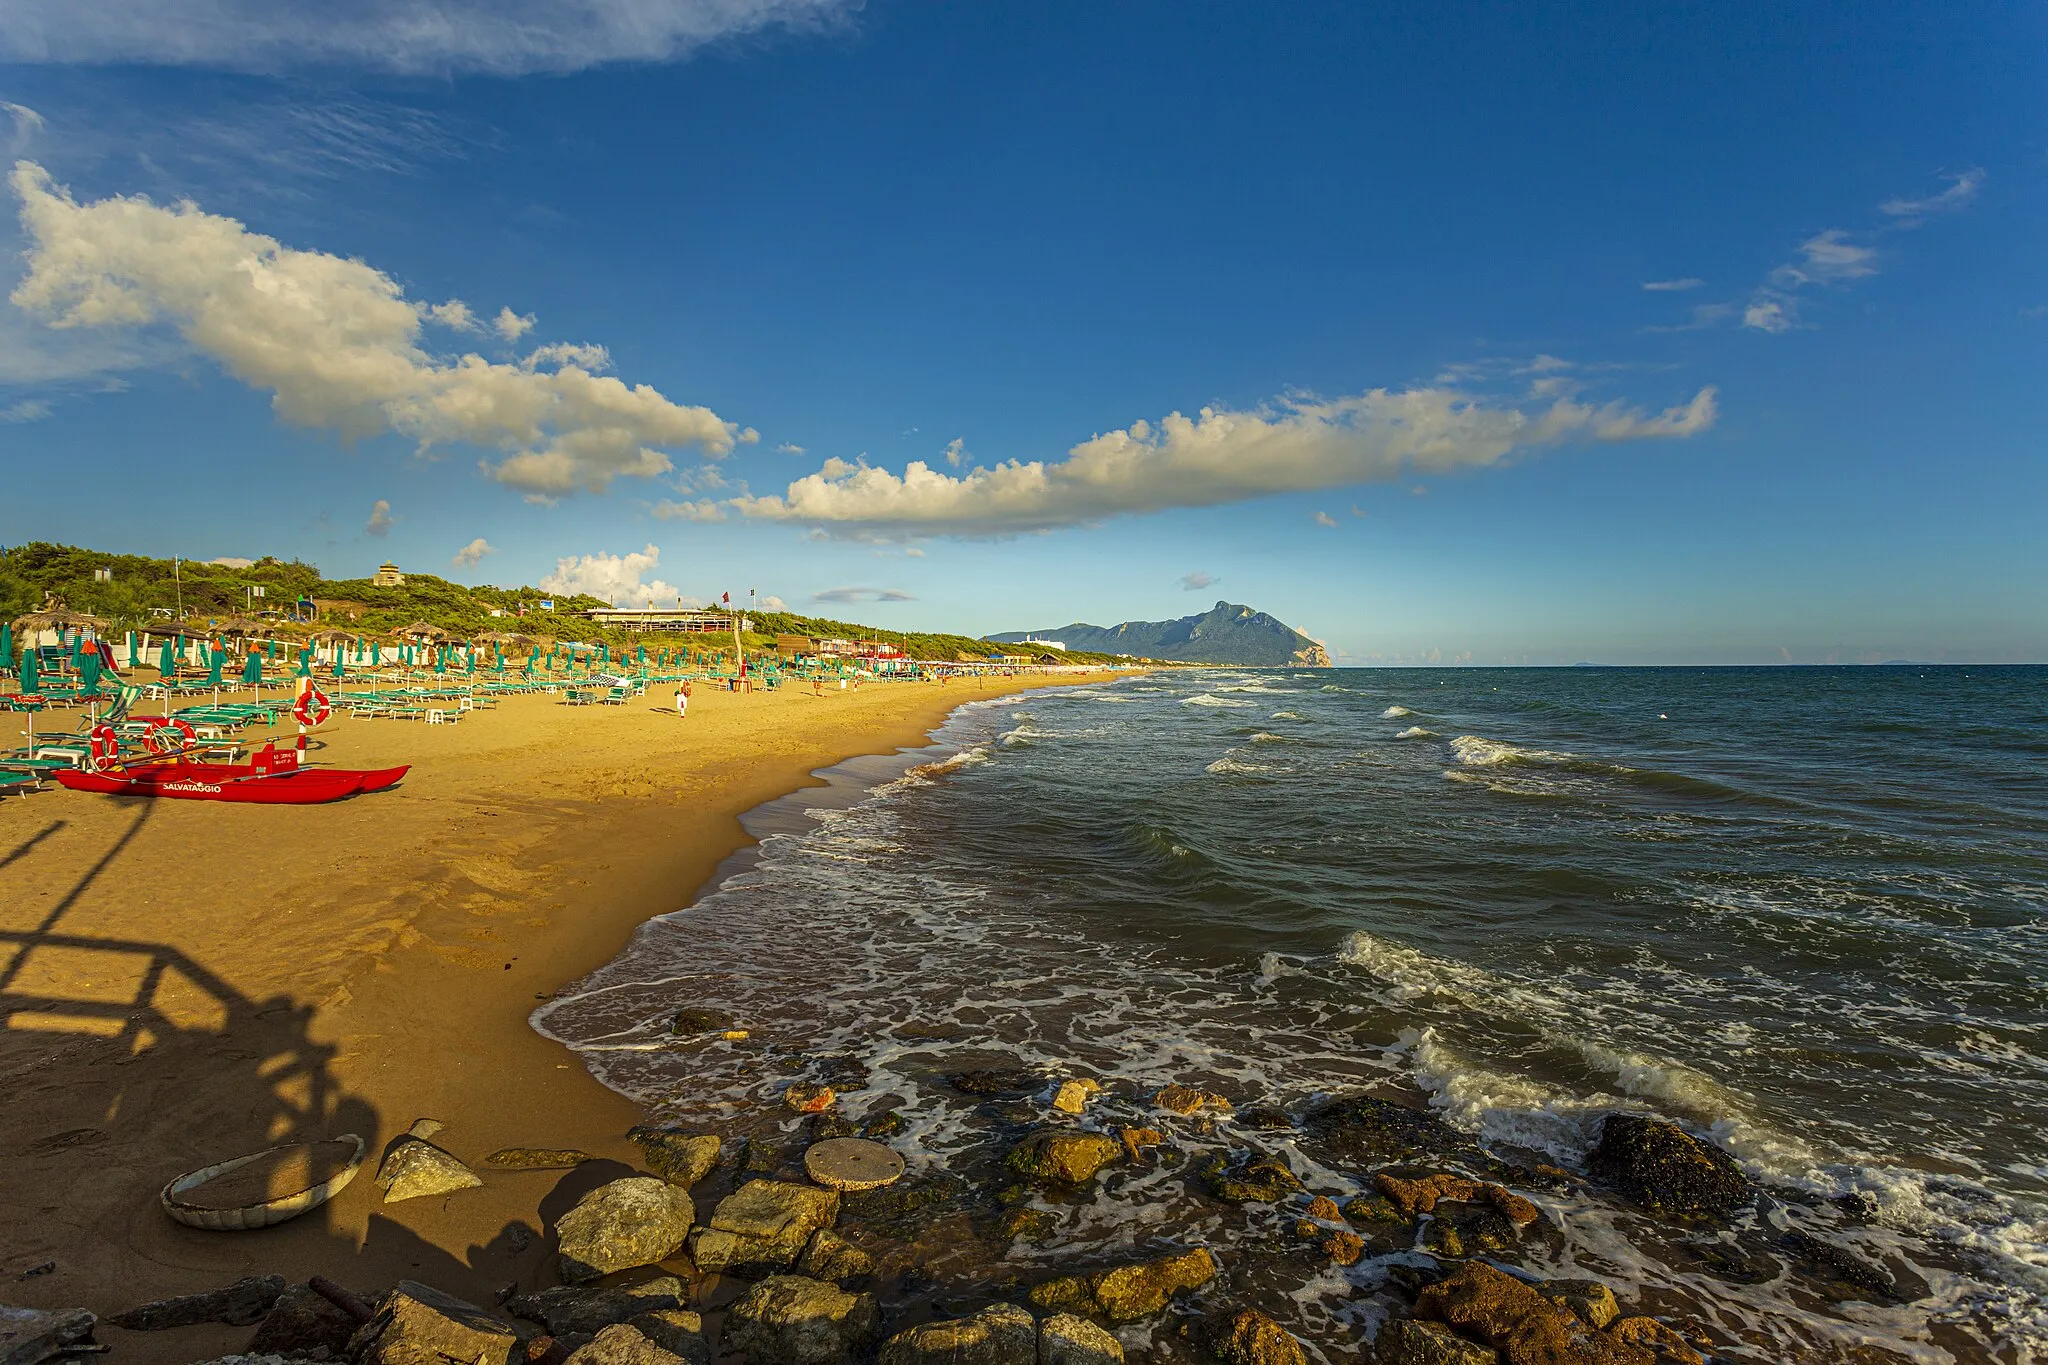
pixel 188 981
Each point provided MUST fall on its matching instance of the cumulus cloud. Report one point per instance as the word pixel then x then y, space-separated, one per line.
pixel 1962 188
pixel 1196 581
pixel 1218 456
pixel 789 448
pixel 498 37
pixel 470 555
pixel 843 596
pixel 336 343
pixel 956 451
pixel 233 562
pixel 618 579
pixel 773 603
pixel 1673 286
pixel 511 325
pixel 380 520
pixel 27 410
pixel 1325 519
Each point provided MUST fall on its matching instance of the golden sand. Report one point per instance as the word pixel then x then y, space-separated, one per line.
pixel 186 981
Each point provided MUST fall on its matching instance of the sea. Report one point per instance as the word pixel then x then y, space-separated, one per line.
pixel 1802 912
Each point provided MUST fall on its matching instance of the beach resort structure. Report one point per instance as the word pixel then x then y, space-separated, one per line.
pixel 388 576
pixel 687 620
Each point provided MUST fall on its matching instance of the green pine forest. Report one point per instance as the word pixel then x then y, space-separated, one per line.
pixel 198 592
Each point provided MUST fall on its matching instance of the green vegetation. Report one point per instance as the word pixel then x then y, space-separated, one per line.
pixel 153 590
pixel 1225 634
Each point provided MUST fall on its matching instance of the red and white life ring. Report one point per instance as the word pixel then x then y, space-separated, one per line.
pixel 168 736
pixel 312 707
pixel 103 746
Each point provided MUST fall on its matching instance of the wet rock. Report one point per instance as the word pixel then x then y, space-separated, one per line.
pixel 1325 1208
pixel 1187 1099
pixel 763 1227
pixel 850 1163
pixel 1667 1170
pixel 631 1222
pixel 1064 1339
pixel 1407 1342
pixel 1072 1096
pixel 677 1331
pixel 1345 1248
pixel 1421 1196
pixel 1252 1338
pixel 415 1168
pixel 1665 1344
pixel 806 1098
pixel 1136 1140
pixel 696 1020
pixel 828 1256
pixel 795 1320
pixel 419 1325
pixel 1372 1209
pixel 1128 1293
pixel 1460 1230
pixel 1001 1334
pixel 887 1124
pixel 1367 1130
pixel 537 1158
pixel 567 1308
pixel 1029 1224
pixel 29 1336
pixel 1840 1268
pixel 239 1304
pixel 676 1155
pixel 1256 1177
pixel 1006 1083
pixel 1062 1156
pixel 620 1344
pixel 1591 1300
pixel 1265 1119
pixel 1525 1327
pixel 302 1322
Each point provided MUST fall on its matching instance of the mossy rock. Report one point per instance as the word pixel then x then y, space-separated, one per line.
pixel 1063 1156
pixel 1253 1179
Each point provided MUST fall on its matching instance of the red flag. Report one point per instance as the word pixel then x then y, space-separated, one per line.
pixel 726 598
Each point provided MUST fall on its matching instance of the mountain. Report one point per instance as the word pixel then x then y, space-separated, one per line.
pixel 1225 634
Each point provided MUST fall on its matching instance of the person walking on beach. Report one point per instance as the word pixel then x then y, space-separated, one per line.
pixel 682 701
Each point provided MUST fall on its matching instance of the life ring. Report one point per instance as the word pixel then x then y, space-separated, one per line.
pixel 312 707
pixel 168 736
pixel 103 746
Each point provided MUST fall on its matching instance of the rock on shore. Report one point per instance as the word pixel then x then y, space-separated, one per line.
pixel 631 1222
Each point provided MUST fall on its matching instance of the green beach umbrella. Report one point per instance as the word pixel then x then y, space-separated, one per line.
pixel 441 659
pixel 216 659
pixel 306 663
pixel 252 668
pixel 134 644
pixel 166 660
pixel 29 681
pixel 89 671
pixel 6 642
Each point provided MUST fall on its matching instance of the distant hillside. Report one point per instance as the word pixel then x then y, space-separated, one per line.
pixel 1225 634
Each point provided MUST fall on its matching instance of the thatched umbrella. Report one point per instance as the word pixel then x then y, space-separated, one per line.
pixel 57 618
pixel 420 630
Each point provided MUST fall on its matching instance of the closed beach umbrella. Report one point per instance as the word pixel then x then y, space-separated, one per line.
pixel 216 659
pixel 252 668
pixel 269 650
pixel 89 671
pixel 134 644
pixel 166 659
pixel 29 681
pixel 306 662
pixel 441 659
pixel 6 642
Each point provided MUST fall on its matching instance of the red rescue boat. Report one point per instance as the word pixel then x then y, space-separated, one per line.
pixel 273 777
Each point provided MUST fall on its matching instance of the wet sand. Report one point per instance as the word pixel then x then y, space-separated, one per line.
pixel 184 982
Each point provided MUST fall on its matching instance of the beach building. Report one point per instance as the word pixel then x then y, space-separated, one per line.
pixel 684 620
pixel 388 576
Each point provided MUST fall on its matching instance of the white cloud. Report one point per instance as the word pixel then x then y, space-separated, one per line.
pixel 336 343
pixel 27 410
pixel 1673 286
pixel 618 579
pixel 555 355
pixel 1768 315
pixel 27 123
pixel 511 325
pixel 912 552
pixel 704 509
pixel 380 520
pixel 453 314
pixel 1828 257
pixel 789 448
pixel 844 596
pixel 956 450
pixel 470 555
pixel 1325 519
pixel 498 37
pixel 773 603
pixel 1218 456
pixel 1196 581
pixel 233 562
pixel 1962 188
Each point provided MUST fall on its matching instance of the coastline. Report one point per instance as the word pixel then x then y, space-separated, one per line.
pixel 189 981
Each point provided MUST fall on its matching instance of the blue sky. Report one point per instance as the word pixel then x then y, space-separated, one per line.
pixel 889 310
